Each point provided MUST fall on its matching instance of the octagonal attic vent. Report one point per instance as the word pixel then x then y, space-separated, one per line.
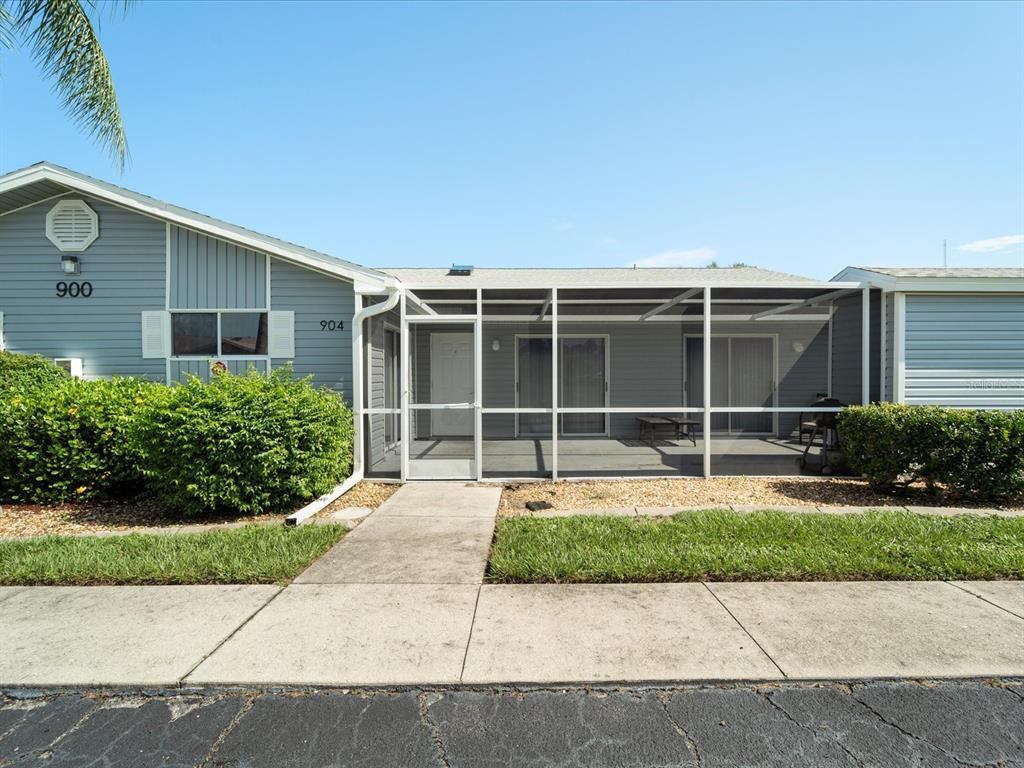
pixel 71 225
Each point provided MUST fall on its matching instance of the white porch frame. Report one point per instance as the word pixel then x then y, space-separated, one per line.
pixel 551 314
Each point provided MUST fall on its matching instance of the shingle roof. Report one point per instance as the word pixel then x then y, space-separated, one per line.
pixel 592 277
pixel 993 272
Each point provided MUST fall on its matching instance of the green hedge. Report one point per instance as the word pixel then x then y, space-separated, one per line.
pixel 248 444
pixel 72 440
pixel 962 453
pixel 23 373
pixel 245 444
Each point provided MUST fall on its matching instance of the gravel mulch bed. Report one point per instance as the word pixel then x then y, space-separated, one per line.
pixel 713 492
pixel 21 520
pixel 365 494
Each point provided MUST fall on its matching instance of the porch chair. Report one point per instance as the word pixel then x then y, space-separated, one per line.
pixel 808 425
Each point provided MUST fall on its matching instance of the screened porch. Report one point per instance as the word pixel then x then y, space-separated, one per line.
pixel 592 381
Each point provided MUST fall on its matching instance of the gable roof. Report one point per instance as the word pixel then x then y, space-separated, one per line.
pixel 43 181
pixel 939 279
pixel 993 272
pixel 597 277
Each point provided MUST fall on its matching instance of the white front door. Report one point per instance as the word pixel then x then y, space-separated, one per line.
pixel 451 381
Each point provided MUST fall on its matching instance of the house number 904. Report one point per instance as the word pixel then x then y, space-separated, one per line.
pixel 74 290
pixel 332 325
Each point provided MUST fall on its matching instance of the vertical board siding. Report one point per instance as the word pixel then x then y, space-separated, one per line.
pixel 965 350
pixel 846 349
pixel 645 366
pixel 313 297
pixel 207 273
pixel 126 267
pixel 182 369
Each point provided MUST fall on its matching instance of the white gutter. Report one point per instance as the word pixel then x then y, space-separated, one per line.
pixel 308 511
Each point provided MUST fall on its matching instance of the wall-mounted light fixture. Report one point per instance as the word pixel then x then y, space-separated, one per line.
pixel 70 265
pixel 496 344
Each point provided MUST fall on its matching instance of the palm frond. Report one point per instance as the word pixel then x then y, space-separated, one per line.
pixel 6 26
pixel 65 44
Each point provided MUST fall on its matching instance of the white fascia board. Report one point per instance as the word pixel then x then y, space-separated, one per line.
pixel 823 285
pixel 166 212
pixel 934 284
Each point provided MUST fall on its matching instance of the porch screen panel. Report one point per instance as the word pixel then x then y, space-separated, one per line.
pixel 751 383
pixel 534 385
pixel 582 372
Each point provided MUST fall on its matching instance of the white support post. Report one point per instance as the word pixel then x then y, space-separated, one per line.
pixel 865 345
pixel 828 372
pixel 478 386
pixel 554 384
pixel 883 332
pixel 706 370
pixel 899 343
pixel 357 389
pixel 403 379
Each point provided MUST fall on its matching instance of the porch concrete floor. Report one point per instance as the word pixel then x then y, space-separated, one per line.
pixel 599 457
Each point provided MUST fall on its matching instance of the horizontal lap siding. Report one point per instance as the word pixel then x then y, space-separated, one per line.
pixel 207 273
pixel 965 351
pixel 126 266
pixel 373 331
pixel 313 296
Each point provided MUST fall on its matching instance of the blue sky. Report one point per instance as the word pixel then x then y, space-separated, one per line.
pixel 801 137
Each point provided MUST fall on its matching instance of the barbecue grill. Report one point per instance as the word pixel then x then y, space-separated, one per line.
pixel 829 457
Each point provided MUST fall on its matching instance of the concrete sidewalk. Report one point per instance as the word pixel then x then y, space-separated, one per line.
pixel 426 634
pixel 400 601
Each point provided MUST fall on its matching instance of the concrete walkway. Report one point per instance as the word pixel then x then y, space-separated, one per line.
pixel 400 601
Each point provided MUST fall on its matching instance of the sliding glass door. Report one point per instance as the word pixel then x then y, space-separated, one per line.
pixel 583 375
pixel 742 375
pixel 584 384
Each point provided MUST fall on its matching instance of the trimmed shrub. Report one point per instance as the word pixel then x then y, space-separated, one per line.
pixel 72 440
pixel 962 453
pixel 249 444
pixel 20 374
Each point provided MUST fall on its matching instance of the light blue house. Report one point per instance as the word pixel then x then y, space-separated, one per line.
pixel 500 373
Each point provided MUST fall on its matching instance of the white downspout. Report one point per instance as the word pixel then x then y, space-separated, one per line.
pixel 358 448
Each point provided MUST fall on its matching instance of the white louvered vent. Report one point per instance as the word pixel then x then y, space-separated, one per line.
pixel 71 225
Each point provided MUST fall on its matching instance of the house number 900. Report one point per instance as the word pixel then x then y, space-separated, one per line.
pixel 74 290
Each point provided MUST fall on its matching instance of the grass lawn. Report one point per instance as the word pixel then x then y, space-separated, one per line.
pixel 719 545
pixel 255 554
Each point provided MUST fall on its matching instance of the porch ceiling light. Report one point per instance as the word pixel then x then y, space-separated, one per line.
pixel 70 265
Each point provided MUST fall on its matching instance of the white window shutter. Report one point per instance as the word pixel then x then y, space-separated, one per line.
pixel 282 334
pixel 156 334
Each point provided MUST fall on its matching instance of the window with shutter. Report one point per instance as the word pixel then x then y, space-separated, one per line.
pixel 72 225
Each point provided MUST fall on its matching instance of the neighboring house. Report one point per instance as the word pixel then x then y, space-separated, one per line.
pixel 109 282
